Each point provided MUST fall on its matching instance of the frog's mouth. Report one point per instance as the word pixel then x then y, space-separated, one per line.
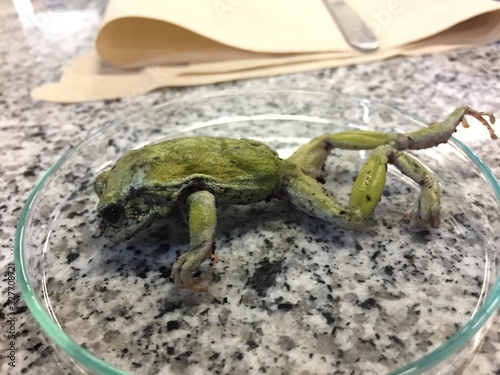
pixel 116 226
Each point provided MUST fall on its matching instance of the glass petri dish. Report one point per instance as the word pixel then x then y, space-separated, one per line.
pixel 291 294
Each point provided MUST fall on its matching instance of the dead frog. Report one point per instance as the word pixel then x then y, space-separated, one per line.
pixel 202 172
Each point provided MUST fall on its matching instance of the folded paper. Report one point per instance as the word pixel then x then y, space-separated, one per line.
pixel 143 46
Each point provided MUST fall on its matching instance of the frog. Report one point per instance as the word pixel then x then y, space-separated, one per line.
pixel 201 173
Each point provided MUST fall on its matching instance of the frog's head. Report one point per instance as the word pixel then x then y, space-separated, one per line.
pixel 121 221
pixel 123 212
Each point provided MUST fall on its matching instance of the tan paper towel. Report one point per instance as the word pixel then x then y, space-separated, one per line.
pixel 144 45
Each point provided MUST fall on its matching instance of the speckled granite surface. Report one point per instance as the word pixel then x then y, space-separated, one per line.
pixel 34 135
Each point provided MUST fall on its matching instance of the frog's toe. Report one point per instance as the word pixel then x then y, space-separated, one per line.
pixel 184 280
pixel 176 276
pixel 418 220
pixel 192 283
pixel 183 276
pixel 428 208
pixel 197 286
pixel 433 218
pixel 481 117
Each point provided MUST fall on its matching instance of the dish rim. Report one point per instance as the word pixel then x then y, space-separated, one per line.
pixel 94 363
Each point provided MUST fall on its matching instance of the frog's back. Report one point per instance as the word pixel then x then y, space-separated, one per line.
pixel 241 169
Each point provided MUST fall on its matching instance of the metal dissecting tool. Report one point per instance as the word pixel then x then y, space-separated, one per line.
pixel 354 29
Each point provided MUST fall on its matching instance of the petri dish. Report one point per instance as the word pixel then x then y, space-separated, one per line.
pixel 291 294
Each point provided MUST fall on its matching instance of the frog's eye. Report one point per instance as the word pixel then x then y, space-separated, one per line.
pixel 112 213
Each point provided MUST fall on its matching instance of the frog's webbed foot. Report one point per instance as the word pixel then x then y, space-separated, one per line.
pixel 441 132
pixel 480 116
pixel 202 226
pixel 182 273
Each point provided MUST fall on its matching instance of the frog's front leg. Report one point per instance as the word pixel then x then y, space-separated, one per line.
pixel 202 227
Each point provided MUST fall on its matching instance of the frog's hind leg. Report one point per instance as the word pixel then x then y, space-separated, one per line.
pixel 309 196
pixel 311 157
pixel 369 185
pixel 428 206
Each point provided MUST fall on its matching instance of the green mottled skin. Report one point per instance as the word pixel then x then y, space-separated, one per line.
pixel 243 169
pixel 202 172
pixel 236 171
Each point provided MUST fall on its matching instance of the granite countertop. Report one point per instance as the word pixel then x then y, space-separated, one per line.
pixel 33 135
